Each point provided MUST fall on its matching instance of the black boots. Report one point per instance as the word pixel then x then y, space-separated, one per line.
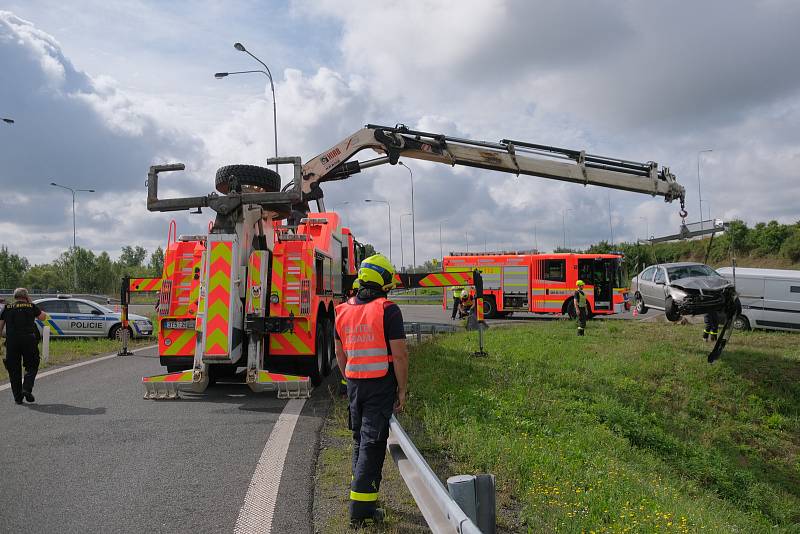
pixel 377 517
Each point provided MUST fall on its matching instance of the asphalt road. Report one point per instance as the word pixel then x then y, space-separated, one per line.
pixel 92 455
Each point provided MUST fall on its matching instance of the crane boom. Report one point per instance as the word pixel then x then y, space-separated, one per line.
pixel 510 156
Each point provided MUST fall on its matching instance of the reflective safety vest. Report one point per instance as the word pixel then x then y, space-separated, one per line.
pixel 360 329
pixel 580 298
pixel 467 301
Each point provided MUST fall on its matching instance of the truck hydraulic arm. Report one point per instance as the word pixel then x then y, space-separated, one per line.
pixel 507 155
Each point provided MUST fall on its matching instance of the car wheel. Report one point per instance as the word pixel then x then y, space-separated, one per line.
pixel 741 323
pixel 670 310
pixel 116 332
pixel 639 306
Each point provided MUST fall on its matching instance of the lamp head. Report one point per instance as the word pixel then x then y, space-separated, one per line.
pixel 53 183
pixel 8 121
pixel 239 47
pixel 220 75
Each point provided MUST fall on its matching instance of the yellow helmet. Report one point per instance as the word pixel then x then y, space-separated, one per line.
pixel 356 285
pixel 580 283
pixel 377 271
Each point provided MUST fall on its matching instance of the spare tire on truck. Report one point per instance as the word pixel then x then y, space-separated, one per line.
pixel 253 175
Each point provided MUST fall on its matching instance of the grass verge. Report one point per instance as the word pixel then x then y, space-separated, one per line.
pixel 69 350
pixel 626 429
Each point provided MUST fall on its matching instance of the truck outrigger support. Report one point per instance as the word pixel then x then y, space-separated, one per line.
pixel 168 386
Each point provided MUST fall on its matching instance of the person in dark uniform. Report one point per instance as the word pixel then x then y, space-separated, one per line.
pixel 22 343
pixel 711 322
pixel 457 292
pixel 372 354
pixel 581 311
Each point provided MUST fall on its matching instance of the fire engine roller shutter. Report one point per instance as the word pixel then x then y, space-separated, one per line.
pixel 515 279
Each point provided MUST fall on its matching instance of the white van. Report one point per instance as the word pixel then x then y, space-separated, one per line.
pixel 770 298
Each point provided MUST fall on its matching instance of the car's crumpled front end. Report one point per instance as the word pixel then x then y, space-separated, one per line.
pixel 701 294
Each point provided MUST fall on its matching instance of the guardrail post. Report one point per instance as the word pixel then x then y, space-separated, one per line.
pixel 418 331
pixel 45 343
pixel 487 514
pixel 462 490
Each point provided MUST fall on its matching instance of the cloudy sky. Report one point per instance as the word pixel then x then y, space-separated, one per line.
pixel 102 89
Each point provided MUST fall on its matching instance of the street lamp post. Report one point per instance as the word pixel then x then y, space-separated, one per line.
pixel 343 203
pixel 699 193
pixel 390 221
pixel 74 227
pixel 266 72
pixel 402 261
pixel 413 217
pixel 441 250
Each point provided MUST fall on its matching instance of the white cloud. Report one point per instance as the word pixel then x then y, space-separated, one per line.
pixel 630 80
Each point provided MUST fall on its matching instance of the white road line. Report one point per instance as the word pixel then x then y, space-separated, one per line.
pixel 80 364
pixel 256 514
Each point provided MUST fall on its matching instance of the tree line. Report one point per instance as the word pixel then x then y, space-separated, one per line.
pixel 79 270
pixel 764 240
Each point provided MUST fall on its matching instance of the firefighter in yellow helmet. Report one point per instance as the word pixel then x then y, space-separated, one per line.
pixel 457 291
pixel 372 354
pixel 354 289
pixel 581 307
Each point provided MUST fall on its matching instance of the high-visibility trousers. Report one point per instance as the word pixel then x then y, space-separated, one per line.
pixel 581 318
pixel 371 405
pixel 711 322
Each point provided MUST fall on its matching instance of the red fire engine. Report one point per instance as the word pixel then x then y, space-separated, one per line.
pixel 544 283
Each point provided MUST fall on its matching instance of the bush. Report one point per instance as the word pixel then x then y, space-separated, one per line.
pixel 791 246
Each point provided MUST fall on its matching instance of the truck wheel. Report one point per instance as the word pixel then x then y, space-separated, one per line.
pixel 638 303
pixel 671 311
pixel 330 348
pixel 315 365
pixel 568 309
pixel 741 323
pixel 266 179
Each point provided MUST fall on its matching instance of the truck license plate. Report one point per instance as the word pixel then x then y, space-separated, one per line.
pixel 179 325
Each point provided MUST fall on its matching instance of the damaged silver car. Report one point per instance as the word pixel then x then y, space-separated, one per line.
pixel 681 289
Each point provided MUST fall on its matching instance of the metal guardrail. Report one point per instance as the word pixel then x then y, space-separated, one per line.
pixel 418 329
pixel 440 511
pixel 407 297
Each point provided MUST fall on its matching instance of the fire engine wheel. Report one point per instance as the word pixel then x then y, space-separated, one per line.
pixel 568 308
pixel 315 365
pixel 266 179
pixel 490 308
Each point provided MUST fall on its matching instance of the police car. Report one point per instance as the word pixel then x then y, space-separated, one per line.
pixel 73 317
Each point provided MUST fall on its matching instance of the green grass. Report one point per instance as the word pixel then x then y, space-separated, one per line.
pixel 626 429
pixel 69 350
